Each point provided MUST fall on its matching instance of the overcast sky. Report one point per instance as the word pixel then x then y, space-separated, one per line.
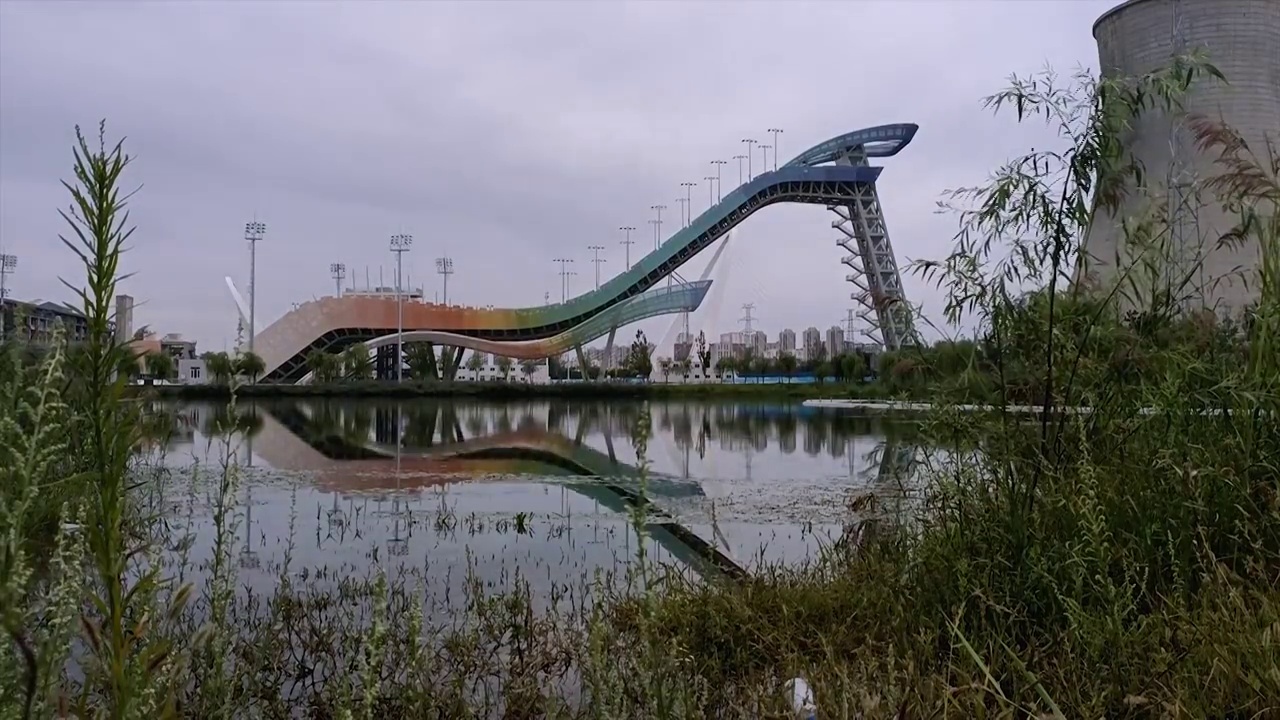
pixel 503 134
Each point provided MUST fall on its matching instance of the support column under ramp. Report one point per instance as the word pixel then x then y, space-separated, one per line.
pixel 865 235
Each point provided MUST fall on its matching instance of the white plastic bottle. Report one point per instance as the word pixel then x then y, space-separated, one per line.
pixel 802 701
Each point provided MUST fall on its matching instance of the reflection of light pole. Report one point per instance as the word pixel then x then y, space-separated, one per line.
pixel 657 225
pixel 397 546
pixel 718 164
pixel 400 245
pixel 776 132
pixel 688 201
pixel 596 259
pixel 764 157
pixel 338 271
pixel 253 232
pixel 627 242
pixel 739 158
pixel 444 266
pixel 749 142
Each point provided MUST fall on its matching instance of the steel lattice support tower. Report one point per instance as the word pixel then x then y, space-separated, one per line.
pixel 879 293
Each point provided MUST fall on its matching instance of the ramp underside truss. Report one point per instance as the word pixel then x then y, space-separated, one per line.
pixel 865 236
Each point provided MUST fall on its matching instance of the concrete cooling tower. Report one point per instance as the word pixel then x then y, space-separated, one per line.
pixel 1242 39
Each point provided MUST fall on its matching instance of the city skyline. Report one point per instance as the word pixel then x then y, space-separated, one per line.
pixel 202 182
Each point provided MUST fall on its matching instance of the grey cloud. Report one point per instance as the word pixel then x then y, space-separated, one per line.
pixel 502 133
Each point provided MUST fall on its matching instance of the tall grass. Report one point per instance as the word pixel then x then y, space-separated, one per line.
pixel 1113 564
pixel 1116 564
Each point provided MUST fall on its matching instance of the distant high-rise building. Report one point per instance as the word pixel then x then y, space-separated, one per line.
pixel 812 343
pixel 124 318
pixel 787 342
pixel 759 342
pixel 835 341
pixel 734 344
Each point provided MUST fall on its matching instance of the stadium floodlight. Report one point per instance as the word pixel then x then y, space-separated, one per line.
pixel 253 232
pixel 400 244
pixel 338 271
pixel 444 266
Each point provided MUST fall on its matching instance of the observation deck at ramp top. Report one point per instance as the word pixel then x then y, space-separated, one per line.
pixel 811 178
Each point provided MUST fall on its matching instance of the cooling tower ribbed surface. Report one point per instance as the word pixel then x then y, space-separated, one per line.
pixel 1242 39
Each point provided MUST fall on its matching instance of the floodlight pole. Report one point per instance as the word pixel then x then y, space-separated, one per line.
pixel 596 260
pixel 657 225
pixel 688 201
pixel 564 277
pixel 749 142
pixel 776 132
pixel 253 232
pixel 338 271
pixel 627 242
pixel 444 266
pixel 400 244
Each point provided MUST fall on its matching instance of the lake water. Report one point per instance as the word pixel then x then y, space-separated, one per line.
pixel 541 491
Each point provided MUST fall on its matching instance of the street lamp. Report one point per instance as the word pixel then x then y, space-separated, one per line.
pixel 749 142
pixel 688 201
pixel 764 157
pixel 627 242
pixel 657 224
pixel 596 259
pixel 400 245
pixel 338 271
pixel 718 165
pixel 564 277
pixel 711 190
pixel 253 232
pixel 444 266
pixel 739 158
pixel 684 206
pixel 568 275
pixel 776 132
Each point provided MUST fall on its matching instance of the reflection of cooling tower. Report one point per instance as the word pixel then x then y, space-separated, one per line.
pixel 1242 39
pixel 124 318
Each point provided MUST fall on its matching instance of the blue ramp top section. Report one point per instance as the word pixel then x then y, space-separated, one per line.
pixel 879 141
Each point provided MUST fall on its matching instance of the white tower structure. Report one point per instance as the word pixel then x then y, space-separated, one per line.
pixel 1241 39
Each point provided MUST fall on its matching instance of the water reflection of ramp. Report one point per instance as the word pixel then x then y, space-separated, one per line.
pixel 289 440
